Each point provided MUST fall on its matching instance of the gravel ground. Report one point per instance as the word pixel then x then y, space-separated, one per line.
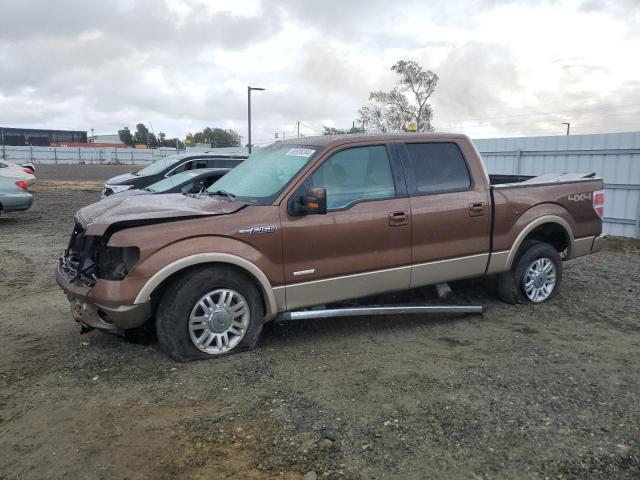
pixel 100 173
pixel 550 391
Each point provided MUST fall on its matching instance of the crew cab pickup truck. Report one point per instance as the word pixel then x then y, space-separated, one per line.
pixel 318 220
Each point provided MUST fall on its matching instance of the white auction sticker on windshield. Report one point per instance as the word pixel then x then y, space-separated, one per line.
pixel 301 152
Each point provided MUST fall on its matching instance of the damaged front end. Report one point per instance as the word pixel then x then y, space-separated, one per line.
pixel 87 260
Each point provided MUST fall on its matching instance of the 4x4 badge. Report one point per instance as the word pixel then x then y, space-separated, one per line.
pixel 252 230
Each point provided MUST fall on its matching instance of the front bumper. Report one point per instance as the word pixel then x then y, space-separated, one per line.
pixel 104 317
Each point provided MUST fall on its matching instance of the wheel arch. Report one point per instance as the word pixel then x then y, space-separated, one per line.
pixel 552 229
pixel 169 271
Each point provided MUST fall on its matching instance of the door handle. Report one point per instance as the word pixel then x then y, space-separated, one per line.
pixel 397 219
pixel 476 209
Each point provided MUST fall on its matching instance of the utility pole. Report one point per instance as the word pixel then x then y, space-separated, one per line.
pixel 298 128
pixel 249 113
pixel 4 155
pixel 154 133
pixel 568 124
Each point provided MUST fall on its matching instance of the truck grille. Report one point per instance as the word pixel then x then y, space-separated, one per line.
pixel 88 258
pixel 76 262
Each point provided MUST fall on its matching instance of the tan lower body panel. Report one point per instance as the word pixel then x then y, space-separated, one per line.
pixel 499 262
pixel 281 298
pixel 446 270
pixel 581 246
pixel 328 290
pixel 318 292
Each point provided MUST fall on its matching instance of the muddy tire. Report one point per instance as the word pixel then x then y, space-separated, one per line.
pixel 535 275
pixel 209 312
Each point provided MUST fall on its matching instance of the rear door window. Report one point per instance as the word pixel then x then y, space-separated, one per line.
pixel 438 167
pixel 200 163
pixel 355 174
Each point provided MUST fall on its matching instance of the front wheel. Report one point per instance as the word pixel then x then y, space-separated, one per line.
pixel 209 312
pixel 534 277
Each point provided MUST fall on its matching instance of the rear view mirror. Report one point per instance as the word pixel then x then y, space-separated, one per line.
pixel 198 187
pixel 312 202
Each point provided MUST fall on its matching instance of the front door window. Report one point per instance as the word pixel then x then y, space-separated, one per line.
pixel 354 175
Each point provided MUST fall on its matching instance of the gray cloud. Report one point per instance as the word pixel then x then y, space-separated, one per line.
pixel 79 64
pixel 475 79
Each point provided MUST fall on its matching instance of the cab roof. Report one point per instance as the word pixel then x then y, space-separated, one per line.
pixel 335 140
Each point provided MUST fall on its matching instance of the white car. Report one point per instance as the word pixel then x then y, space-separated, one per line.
pixel 23 172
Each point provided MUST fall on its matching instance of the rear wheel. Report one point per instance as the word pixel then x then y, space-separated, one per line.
pixel 209 312
pixel 534 277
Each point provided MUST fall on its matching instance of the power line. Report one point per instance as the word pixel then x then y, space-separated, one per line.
pixel 558 112
pixel 524 113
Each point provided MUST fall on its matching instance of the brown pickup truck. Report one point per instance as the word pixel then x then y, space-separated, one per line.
pixel 318 220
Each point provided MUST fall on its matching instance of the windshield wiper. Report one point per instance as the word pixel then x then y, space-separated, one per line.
pixel 149 189
pixel 224 193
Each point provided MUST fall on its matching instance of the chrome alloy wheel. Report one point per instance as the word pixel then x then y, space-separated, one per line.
pixel 219 321
pixel 539 279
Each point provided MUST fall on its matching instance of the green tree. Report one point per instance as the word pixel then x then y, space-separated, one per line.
pixel 407 103
pixel 339 131
pixel 216 137
pixel 144 136
pixel 125 136
pixel 333 131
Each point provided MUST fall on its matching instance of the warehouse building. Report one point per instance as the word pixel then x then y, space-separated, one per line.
pixel 40 137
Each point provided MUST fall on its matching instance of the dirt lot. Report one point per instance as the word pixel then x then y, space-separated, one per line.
pixel 523 392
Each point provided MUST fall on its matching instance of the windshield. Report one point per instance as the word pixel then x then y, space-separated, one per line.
pixel 172 181
pixel 158 166
pixel 261 177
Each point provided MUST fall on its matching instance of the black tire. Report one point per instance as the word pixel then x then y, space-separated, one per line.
pixel 179 299
pixel 511 284
pixel 145 334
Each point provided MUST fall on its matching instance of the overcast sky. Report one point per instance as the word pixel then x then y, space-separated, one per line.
pixel 506 68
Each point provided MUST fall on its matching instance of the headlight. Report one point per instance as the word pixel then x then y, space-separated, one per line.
pixel 118 188
pixel 115 263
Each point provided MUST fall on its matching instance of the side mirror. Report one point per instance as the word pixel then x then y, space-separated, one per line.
pixel 312 202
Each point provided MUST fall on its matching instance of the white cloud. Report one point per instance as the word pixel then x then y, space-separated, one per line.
pixel 506 66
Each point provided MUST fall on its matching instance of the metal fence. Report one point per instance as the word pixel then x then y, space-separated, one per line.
pixel 76 155
pixel 612 156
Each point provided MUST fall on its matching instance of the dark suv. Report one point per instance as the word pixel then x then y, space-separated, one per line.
pixel 166 167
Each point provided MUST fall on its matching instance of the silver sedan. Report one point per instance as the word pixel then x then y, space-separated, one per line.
pixel 13 194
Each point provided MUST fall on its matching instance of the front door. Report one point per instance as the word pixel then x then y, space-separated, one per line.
pixel 450 212
pixel 362 245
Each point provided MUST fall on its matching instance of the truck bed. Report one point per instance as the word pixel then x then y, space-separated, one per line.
pixel 513 181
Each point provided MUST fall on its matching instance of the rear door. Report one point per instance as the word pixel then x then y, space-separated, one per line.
pixel 450 213
pixel 362 245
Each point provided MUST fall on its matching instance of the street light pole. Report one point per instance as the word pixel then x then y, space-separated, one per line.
pixel 249 112
pixel 568 124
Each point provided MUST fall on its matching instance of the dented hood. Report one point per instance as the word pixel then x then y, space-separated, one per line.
pixel 143 209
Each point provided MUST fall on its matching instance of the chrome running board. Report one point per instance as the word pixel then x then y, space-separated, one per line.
pixel 379 310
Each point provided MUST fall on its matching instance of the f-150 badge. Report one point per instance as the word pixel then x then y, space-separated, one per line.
pixel 252 230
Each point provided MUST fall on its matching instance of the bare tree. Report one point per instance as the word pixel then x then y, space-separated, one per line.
pixel 406 103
